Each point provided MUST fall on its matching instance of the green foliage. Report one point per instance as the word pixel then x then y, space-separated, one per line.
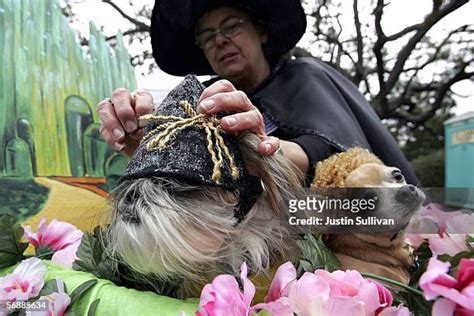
pixel 422 255
pixel 49 287
pixel 455 260
pixel 429 168
pixel 93 307
pixel 315 255
pixel 426 138
pixel 93 259
pixel 414 303
pixel 81 290
pixel 21 197
pixel 11 247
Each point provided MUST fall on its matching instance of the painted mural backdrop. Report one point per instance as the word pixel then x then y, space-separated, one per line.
pixel 53 162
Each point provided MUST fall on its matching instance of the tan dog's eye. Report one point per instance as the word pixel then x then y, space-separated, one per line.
pixel 398 176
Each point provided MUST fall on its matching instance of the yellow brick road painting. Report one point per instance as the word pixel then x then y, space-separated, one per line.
pixel 74 204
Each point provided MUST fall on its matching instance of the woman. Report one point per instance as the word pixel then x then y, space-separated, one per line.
pixel 302 106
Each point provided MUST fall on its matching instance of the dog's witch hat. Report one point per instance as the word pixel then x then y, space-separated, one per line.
pixel 181 144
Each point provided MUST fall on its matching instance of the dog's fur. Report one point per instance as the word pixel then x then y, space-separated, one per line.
pixel 382 254
pixel 190 231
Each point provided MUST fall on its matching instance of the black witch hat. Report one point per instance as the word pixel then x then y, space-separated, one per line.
pixel 173 24
pixel 181 144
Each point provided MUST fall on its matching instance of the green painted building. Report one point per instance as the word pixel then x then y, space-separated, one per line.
pixel 49 86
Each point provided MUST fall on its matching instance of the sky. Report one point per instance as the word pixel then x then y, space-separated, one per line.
pixel 399 13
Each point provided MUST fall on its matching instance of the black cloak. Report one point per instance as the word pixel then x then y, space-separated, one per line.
pixel 313 102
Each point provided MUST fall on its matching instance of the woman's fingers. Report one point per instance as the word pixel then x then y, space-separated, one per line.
pixel 269 146
pixel 143 104
pixel 231 102
pixel 110 123
pixel 124 109
pixel 120 126
pixel 217 87
pixel 110 140
pixel 250 120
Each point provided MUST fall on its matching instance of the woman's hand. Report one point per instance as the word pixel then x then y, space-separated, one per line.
pixel 120 126
pixel 222 96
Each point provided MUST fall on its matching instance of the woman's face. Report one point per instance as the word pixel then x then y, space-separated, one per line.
pixel 239 57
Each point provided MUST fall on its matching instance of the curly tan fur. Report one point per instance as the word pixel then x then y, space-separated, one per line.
pixel 332 172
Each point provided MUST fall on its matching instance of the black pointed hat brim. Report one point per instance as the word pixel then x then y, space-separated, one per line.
pixel 173 27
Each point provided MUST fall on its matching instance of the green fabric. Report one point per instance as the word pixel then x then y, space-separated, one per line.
pixel 115 300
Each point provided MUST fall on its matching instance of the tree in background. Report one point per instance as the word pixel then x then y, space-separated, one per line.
pixel 407 75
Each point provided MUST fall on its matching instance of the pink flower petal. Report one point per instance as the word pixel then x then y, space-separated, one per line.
pixel 342 283
pixel 466 272
pixel 346 306
pixel 276 308
pixel 58 302
pixel 285 274
pixel 58 235
pixel 443 307
pixel 249 287
pixel 395 311
pixel 453 295
pixel 31 237
pixel 369 296
pixel 223 296
pixel 448 244
pixel 435 274
pixel 309 289
pixel 67 255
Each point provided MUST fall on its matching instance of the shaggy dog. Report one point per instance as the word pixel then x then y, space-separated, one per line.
pixel 179 210
pixel 384 254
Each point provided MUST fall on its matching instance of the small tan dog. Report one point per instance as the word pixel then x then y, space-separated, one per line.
pixel 383 254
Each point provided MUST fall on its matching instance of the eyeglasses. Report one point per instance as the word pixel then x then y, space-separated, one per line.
pixel 229 28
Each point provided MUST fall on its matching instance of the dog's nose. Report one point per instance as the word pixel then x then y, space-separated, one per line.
pixel 406 194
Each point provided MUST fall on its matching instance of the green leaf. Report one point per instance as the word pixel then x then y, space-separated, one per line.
pixel 89 254
pixel 93 307
pixel 49 287
pixel 415 303
pixel 423 254
pixel 454 261
pixel 315 255
pixel 82 289
pixel 11 247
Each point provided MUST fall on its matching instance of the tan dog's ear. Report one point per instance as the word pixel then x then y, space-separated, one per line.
pixel 333 171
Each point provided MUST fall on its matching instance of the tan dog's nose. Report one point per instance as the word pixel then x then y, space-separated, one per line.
pixel 408 194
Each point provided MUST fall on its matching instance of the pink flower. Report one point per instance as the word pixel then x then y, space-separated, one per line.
pixel 285 274
pixel 453 240
pixel 62 238
pixel 324 293
pixel 385 297
pixel 457 294
pixel 318 293
pixel 446 232
pixel 24 283
pixel 224 298
pixel 58 302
